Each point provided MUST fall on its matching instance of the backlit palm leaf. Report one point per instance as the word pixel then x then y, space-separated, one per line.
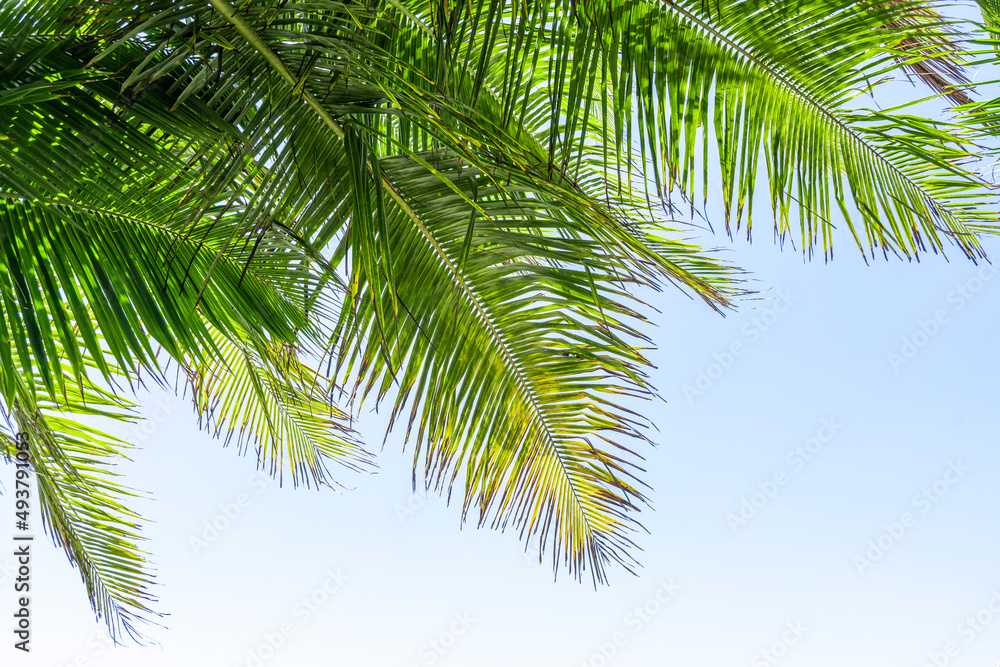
pixel 456 201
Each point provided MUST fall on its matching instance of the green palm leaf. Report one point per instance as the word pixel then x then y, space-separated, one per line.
pixel 456 202
pixel 83 505
pixel 263 393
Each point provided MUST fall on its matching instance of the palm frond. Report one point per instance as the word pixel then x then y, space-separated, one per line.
pixel 83 505
pixel 261 393
pixel 513 356
pixel 458 202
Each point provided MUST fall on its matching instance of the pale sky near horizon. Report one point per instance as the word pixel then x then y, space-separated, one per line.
pixel 393 579
pixel 827 496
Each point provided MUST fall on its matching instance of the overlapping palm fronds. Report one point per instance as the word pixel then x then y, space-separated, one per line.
pixel 457 203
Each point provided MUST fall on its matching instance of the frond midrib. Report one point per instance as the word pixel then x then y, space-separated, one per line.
pixel 804 95
pixel 510 361
pixel 274 61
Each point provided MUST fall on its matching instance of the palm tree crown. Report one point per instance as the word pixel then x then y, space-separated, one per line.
pixel 286 209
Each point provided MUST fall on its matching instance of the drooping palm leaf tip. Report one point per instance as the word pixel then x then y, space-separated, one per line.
pixel 990 10
pixel 940 61
pixel 449 206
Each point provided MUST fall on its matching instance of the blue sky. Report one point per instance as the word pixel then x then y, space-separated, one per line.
pixel 825 496
pixel 377 576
